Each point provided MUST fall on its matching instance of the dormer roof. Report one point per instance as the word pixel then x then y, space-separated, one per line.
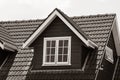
pixel 68 21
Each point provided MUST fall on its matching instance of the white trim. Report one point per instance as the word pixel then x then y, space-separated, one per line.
pixel 56 63
pixel 47 22
pixel 116 37
pixel 1 45
pixel 62 64
pixel 92 44
pixel 7 46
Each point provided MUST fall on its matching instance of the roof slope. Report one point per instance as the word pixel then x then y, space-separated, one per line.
pixel 20 31
pixel 74 24
pixel 6 39
pixel 70 24
pixel 96 27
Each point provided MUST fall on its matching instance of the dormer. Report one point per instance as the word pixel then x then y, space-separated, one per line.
pixel 58 42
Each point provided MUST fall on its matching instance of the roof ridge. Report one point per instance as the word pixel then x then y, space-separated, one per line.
pixel 19 21
pixel 37 20
pixel 96 15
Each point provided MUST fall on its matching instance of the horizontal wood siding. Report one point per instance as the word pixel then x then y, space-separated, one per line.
pixel 85 52
pixel 57 29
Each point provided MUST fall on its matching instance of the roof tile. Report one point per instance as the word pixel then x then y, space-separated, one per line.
pixel 6 39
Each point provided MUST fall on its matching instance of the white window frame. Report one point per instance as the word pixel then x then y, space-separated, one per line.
pixel 56 63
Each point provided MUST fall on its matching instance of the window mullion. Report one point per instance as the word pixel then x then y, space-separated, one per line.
pixel 44 55
pixel 56 55
pixel 50 51
pixel 69 52
pixel 63 51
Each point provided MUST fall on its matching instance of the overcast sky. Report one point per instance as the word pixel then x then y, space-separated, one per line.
pixel 37 9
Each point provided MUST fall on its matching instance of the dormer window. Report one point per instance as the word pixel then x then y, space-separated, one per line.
pixel 57 51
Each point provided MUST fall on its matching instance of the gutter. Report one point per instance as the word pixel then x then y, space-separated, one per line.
pixel 92 44
pixel 7 46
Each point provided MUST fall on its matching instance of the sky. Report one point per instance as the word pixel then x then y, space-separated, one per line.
pixel 11 10
pixel 40 9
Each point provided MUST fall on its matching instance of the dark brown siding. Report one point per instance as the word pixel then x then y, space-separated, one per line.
pixel 3 56
pixel 58 29
pixel 108 68
pixel 117 73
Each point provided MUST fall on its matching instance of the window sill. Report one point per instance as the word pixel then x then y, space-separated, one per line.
pixel 56 64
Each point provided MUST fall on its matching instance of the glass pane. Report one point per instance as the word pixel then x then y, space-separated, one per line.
pixel 65 42
pixel 52 50
pixel 65 50
pixel 64 58
pixel 47 58
pixel 60 58
pixel 60 43
pixel 53 43
pixel 48 43
pixel 48 51
pixel 52 58
pixel 60 51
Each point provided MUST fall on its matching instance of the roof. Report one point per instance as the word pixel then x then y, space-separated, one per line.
pixel 69 22
pixel 6 40
pixel 96 27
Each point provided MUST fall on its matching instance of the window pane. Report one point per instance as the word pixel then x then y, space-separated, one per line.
pixel 52 50
pixel 48 51
pixel 65 42
pixel 65 50
pixel 48 43
pixel 59 58
pixel 53 43
pixel 60 51
pixel 47 58
pixel 52 58
pixel 64 58
pixel 60 43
